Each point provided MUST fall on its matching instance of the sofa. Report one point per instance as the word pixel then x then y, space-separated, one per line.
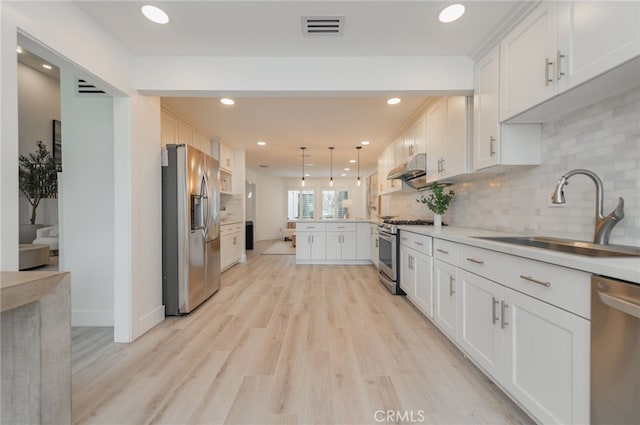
pixel 47 236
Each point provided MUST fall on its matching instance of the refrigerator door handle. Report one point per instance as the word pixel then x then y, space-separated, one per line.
pixel 206 204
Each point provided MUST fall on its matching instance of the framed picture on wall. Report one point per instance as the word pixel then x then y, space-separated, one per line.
pixel 57 143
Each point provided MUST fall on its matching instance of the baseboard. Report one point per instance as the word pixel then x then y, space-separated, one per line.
pixel 149 320
pixel 91 317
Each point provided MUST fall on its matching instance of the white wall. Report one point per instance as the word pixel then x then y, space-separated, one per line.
pixel 603 137
pixel 271 205
pixel 87 222
pixel 38 106
pixel 435 74
pixel 62 34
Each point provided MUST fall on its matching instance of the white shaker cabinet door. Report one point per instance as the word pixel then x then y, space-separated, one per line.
pixel 446 300
pixel 594 37
pixel 546 365
pixel 480 333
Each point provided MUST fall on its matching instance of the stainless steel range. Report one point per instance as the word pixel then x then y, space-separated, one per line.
pixel 388 251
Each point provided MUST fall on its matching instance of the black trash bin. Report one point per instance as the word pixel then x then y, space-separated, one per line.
pixel 248 240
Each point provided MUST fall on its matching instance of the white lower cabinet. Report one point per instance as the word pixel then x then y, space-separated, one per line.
pixel 341 246
pixel 231 246
pixel 546 359
pixel 514 318
pixel 416 267
pixel 310 245
pixel 445 309
pixel 481 335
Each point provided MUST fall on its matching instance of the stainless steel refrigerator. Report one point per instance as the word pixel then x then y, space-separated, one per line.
pixel 190 228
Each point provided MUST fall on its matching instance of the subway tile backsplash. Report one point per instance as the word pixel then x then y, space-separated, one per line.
pixel 603 137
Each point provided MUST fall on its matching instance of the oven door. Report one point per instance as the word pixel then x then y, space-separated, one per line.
pixel 388 254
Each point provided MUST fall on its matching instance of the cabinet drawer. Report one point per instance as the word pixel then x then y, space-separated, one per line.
pixel 228 229
pixel 560 286
pixel 421 243
pixel 445 251
pixel 311 227
pixel 340 227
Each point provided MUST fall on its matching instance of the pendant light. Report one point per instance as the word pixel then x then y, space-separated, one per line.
pixel 302 148
pixel 358 148
pixel 331 148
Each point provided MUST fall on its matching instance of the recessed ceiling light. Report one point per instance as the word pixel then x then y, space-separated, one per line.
pixel 155 14
pixel 308 165
pixel 19 49
pixel 261 143
pixel 352 161
pixel 347 169
pixel 451 13
pixel 364 142
pixel 47 66
pixel 227 101
pixel 394 101
pixel 307 175
pixel 343 175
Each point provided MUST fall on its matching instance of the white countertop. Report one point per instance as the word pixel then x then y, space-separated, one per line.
pixel 625 268
pixel 336 220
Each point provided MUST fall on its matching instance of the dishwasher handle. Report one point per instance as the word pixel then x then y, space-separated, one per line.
pixel 619 304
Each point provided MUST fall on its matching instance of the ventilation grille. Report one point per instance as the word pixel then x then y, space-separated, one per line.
pixel 88 89
pixel 322 25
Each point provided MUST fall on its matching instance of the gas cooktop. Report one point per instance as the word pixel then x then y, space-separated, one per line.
pixel 408 221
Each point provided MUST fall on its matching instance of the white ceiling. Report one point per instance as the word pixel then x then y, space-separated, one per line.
pixel 269 28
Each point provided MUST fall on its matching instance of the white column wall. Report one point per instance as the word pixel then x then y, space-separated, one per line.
pixel 87 224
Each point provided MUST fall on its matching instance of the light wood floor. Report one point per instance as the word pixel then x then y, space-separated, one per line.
pixel 285 344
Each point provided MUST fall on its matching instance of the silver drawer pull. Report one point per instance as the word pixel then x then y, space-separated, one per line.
pixel 473 260
pixel 405 239
pixel 311 227
pixel 539 282
pixel 494 303
pixel 444 251
pixel 418 243
pixel 341 227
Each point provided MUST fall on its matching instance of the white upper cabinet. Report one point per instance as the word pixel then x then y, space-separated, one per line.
pixel 486 109
pixel 226 158
pixel 595 37
pixel 447 140
pixel 561 45
pixel 527 61
pixel 496 144
pixel 435 139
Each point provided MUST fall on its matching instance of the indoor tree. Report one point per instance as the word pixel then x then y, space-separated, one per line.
pixel 38 177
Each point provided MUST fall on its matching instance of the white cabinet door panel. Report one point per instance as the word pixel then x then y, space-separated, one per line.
pixel 547 362
pixel 446 301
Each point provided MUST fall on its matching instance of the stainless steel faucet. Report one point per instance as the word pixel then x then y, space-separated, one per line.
pixel 604 225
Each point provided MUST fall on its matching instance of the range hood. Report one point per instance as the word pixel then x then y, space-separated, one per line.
pixel 415 167
pixel 413 172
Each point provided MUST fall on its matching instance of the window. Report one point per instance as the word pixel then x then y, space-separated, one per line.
pixel 300 204
pixel 332 203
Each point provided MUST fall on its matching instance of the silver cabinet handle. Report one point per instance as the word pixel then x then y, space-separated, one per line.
pixel 341 227
pixel 547 64
pixel 492 148
pixel 494 303
pixel 404 239
pixel 559 72
pixel 451 291
pixel 444 251
pixel 503 314
pixel 539 282
pixel 418 243
pixel 377 243
pixel 473 260
pixel 311 227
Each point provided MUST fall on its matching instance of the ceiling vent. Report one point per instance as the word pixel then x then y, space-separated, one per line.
pixel 322 25
pixel 87 89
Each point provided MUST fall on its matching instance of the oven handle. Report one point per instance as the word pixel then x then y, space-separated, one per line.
pixel 386 236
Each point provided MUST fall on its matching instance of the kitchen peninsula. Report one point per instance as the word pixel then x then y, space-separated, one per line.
pixel 334 241
pixel 36 347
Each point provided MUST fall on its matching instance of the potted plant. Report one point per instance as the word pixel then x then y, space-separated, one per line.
pixel 437 202
pixel 38 177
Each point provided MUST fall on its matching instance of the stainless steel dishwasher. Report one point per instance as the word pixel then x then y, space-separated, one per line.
pixel 615 351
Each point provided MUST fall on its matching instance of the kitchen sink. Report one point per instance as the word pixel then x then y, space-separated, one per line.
pixel 567 245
